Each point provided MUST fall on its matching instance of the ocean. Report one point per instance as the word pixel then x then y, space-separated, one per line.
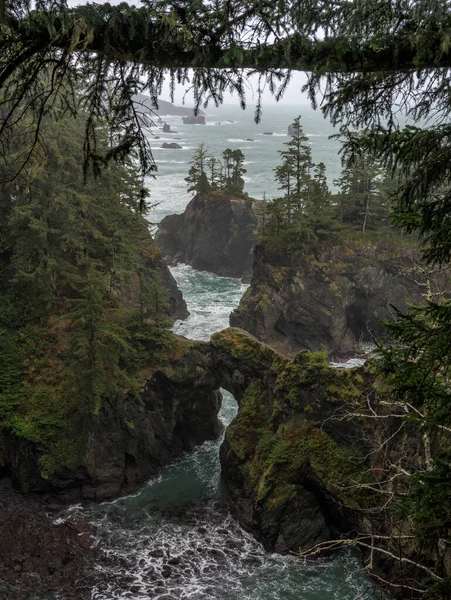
pixel 230 127
pixel 176 538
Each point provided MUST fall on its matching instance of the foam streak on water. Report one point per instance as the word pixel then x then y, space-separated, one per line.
pixel 176 540
pixel 210 300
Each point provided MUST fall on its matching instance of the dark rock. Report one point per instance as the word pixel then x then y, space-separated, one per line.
pixel 167 128
pixel 249 140
pixel 334 297
pixel 291 130
pixel 194 120
pixel 171 146
pixel 133 439
pixel 143 102
pixel 37 556
pixel 268 133
pixel 215 234
pixel 291 464
pixel 153 263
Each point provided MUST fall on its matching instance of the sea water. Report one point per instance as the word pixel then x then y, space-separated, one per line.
pixel 176 539
pixel 230 127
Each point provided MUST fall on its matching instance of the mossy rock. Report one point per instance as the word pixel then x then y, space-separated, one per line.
pixel 242 346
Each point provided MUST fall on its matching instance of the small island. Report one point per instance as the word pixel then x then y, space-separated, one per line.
pixel 194 120
pixel 171 146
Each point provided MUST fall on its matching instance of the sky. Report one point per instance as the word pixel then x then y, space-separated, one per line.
pixel 292 96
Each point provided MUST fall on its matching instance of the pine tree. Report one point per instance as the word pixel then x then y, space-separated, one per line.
pixel 362 202
pixel 294 175
pixel 304 214
pixel 70 247
pixel 197 176
pixel 214 172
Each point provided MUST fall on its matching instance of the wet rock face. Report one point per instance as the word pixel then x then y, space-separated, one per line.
pixel 335 298
pixel 215 234
pixel 156 272
pixel 131 440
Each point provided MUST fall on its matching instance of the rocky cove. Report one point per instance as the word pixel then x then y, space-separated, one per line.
pixel 119 461
pixel 301 462
pixel 310 455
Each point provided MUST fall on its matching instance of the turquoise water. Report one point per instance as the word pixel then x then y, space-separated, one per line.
pixel 176 538
pixel 210 299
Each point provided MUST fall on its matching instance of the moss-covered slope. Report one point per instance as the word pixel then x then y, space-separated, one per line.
pixel 302 461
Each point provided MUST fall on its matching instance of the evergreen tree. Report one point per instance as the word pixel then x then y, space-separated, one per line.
pixel 351 50
pixel 321 221
pixel 197 176
pixel 294 175
pixel 70 247
pixel 362 201
pixel 214 172
pixel 304 215
pixel 234 170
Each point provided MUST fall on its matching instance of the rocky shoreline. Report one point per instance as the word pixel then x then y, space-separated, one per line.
pixel 290 459
pixel 40 557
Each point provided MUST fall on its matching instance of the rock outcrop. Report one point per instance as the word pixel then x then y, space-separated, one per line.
pixel 215 234
pixel 171 145
pixel 129 440
pixel 145 103
pixel 304 462
pixel 333 298
pixel 155 270
pixel 194 120
pixel 38 555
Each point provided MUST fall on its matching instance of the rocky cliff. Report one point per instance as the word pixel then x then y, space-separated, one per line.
pixel 128 441
pixel 333 297
pixel 305 463
pixel 156 272
pixel 215 233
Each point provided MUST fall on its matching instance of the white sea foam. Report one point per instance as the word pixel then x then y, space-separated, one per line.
pixel 174 539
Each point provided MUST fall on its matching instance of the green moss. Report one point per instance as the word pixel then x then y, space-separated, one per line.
pixel 281 494
pixel 264 295
pixel 307 369
pixel 280 459
pixel 279 274
pixel 279 446
pixel 245 432
pixel 241 346
pixel 347 386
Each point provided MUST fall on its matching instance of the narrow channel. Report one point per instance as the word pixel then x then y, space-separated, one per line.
pixel 176 539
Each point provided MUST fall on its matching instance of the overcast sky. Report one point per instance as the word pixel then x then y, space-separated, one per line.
pixel 292 96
